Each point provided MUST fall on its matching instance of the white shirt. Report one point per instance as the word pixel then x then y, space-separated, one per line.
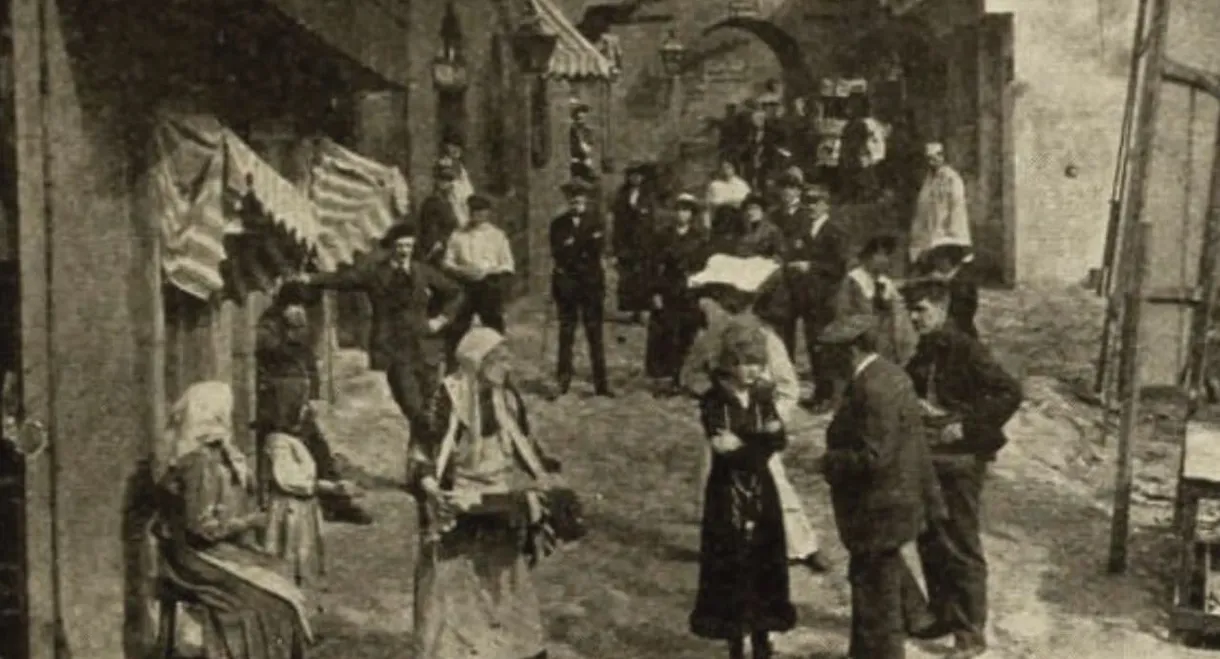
pixel 868 283
pixel 940 213
pixel 479 250
pixel 727 193
pixel 863 365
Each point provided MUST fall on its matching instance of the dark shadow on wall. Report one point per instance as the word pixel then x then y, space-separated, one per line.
pixel 139 561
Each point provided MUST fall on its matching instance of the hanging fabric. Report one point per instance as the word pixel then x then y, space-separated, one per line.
pixel 357 200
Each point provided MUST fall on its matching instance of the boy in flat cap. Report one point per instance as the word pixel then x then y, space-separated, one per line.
pixel 480 257
pixel 967 399
pixel 578 284
pixel 881 485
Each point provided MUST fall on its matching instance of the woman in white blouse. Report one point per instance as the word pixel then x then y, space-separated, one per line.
pixel 724 195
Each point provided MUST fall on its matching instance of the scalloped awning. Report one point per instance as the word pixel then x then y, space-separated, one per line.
pixel 575 57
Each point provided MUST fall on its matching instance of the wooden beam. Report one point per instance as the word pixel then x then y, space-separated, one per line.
pixel 1209 265
pixel 1191 76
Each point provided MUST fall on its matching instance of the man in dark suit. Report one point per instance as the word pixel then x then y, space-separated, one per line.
pixel 968 398
pixel 814 268
pixel 578 284
pixel 880 474
pixel 412 303
pixel 437 217
pixel 634 211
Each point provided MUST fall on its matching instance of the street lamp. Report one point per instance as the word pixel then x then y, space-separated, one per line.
pixel 533 45
pixel 673 58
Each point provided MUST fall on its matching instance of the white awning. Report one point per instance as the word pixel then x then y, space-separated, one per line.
pixel 357 199
pixel 575 57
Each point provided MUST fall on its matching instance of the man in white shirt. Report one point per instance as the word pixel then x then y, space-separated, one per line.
pixel 480 257
pixel 940 209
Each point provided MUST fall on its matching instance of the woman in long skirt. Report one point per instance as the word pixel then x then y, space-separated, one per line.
pixel 743 570
pixel 251 610
pixel 475 473
pixel 681 251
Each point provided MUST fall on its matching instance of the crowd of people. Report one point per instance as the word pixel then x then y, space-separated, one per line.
pixel 723 280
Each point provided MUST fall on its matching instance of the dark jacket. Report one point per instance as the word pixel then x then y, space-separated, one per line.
pixel 633 224
pixel 877 462
pixel 576 255
pixel 763 239
pixel 826 254
pixel 677 258
pixel 580 148
pixel 970 385
pixel 402 306
pixel 437 221
pixel 964 299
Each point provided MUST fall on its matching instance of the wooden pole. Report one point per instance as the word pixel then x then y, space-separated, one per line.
pixel 1208 266
pixel 1129 364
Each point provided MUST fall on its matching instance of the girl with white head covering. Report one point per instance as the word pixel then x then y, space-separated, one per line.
pixel 477 476
pixel 207 523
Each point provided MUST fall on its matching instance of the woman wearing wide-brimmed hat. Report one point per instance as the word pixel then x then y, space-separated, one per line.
pixel 681 251
pixel 634 227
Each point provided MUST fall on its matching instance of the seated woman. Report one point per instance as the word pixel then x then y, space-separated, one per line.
pixel 868 290
pixel 743 571
pixel 207 518
pixel 477 475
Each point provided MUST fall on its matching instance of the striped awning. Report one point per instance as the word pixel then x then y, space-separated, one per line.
pixel 199 165
pixel 575 57
pixel 357 200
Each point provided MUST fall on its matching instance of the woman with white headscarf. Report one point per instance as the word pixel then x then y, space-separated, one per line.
pixel 206 527
pixel 479 478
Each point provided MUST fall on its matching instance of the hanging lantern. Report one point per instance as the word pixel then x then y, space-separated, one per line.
pixel 673 55
pixel 449 67
pixel 533 45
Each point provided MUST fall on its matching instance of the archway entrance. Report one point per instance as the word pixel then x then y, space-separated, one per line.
pixel 797 75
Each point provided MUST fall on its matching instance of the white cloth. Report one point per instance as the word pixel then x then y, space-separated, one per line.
pixel 727 193
pixel 874 147
pixel 868 283
pixel 479 250
pixel 940 213
pixel 744 274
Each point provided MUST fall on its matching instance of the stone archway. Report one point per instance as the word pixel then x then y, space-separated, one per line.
pixel 787 49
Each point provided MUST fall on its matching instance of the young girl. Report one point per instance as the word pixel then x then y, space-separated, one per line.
pixel 743 568
pixel 294 529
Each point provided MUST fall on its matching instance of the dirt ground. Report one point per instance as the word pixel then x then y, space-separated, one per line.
pixel 626 591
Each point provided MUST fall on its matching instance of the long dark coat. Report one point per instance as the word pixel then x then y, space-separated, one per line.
pixel 743 563
pixel 634 230
pixel 672 329
pixel 437 221
pixel 815 290
pixel 878 463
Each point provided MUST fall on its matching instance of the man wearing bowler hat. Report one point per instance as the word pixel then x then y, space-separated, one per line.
pixel 882 487
pixel 412 303
pixel 578 283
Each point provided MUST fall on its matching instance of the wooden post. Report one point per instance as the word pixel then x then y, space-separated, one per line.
pixel 1130 367
pixel 1201 321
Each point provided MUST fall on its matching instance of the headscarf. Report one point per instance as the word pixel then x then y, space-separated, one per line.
pixel 203 416
pixel 464 385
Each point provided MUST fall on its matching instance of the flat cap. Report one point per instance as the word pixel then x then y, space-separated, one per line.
pixel 848 329
pixel 404 229
pixel 753 199
pixel 815 191
pixel 576 187
pixel 925 288
pixel 477 202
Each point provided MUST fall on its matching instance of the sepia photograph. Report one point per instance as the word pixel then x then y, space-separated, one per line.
pixel 609 329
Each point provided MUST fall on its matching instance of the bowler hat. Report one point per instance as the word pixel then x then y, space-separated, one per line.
pixel 953 252
pixel 576 188
pixel 636 167
pixel 477 202
pixel 847 329
pixel 404 229
pixel 753 200
pixel 296 293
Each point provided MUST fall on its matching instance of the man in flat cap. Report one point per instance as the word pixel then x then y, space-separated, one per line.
pixel 580 144
pixel 881 485
pixel 814 264
pixel 438 216
pixel 967 398
pixel 480 257
pixel 412 303
pixel 578 283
